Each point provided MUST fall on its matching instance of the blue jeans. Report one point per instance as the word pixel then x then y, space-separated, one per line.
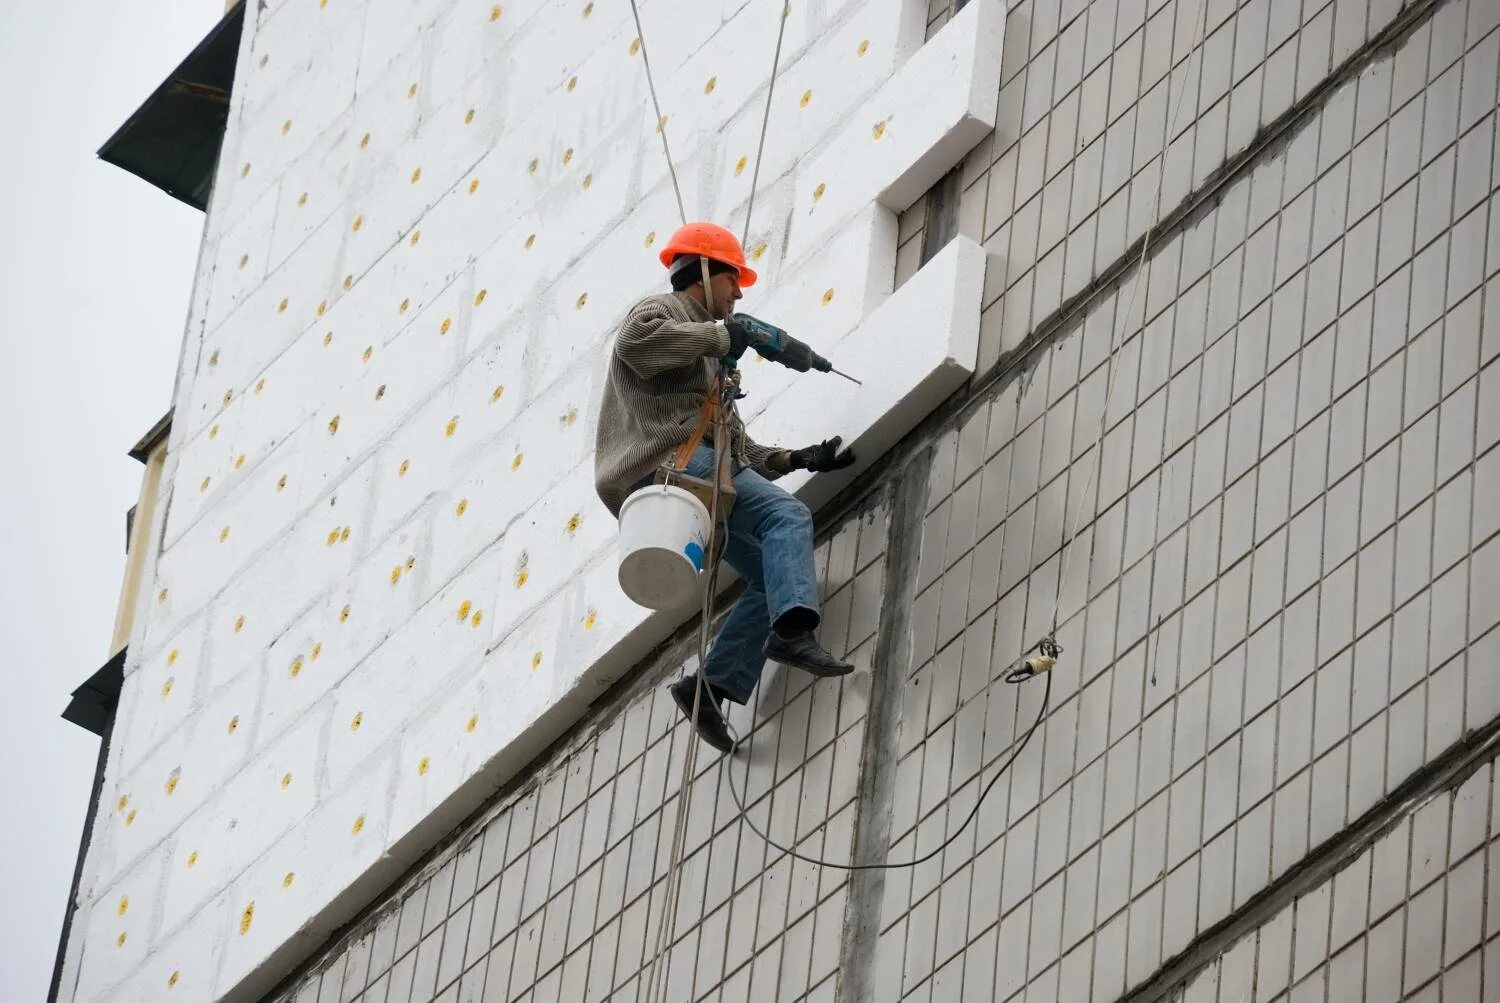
pixel 771 546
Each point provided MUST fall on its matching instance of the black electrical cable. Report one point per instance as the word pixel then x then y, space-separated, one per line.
pixel 886 865
pixel 710 578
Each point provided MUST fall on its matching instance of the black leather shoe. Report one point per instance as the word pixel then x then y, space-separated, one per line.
pixel 710 725
pixel 803 651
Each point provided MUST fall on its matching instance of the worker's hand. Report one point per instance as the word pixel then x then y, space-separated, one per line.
pixel 737 343
pixel 823 457
pixel 755 333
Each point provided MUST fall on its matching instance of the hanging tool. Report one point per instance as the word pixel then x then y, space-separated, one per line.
pixel 775 345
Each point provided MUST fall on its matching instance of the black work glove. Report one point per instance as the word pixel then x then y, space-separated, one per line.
pixel 820 459
pixel 737 342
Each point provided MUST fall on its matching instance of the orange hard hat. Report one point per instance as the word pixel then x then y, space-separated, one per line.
pixel 712 242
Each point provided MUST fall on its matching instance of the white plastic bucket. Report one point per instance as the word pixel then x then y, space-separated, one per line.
pixel 664 533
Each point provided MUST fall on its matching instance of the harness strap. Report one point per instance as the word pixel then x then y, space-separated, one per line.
pixel 706 416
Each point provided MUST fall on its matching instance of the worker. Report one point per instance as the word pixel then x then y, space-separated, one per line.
pixel 663 364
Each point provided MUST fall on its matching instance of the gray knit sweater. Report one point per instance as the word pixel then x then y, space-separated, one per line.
pixel 662 366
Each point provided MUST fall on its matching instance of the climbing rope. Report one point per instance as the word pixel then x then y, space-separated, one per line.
pixel 765 120
pixel 661 121
pixel 672 884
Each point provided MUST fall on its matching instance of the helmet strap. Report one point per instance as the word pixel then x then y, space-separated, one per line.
pixel 708 292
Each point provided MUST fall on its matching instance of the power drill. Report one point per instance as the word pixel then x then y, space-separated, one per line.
pixel 775 345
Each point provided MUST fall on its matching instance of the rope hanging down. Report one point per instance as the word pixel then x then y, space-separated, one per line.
pixel 765 120
pixel 661 122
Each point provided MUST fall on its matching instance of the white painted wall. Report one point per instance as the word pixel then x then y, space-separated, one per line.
pixel 384 580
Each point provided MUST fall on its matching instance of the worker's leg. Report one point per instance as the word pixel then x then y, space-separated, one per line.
pixel 771 546
pixel 735 661
pixel 778 530
pixel 783 526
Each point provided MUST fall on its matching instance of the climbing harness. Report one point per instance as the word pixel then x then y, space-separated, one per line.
pixel 1040 658
pixel 706 490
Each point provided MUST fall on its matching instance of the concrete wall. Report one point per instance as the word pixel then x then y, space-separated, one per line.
pixel 1283 602
pixel 1278 613
pixel 1412 917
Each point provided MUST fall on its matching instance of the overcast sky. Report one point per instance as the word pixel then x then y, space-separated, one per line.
pixel 96 268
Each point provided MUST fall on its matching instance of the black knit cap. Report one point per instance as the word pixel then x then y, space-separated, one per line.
pixel 686 271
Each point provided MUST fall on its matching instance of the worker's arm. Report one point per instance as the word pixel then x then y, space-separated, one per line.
pixel 650 342
pixel 768 461
pixel 820 458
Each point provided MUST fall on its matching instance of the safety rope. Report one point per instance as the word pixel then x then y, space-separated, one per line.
pixel 672 884
pixel 661 121
pixel 765 120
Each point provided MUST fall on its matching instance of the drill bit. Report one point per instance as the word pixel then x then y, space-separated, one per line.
pixel 846 376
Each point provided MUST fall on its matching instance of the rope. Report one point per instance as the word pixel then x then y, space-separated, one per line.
pixel 672 886
pixel 1048 644
pixel 661 122
pixel 764 122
